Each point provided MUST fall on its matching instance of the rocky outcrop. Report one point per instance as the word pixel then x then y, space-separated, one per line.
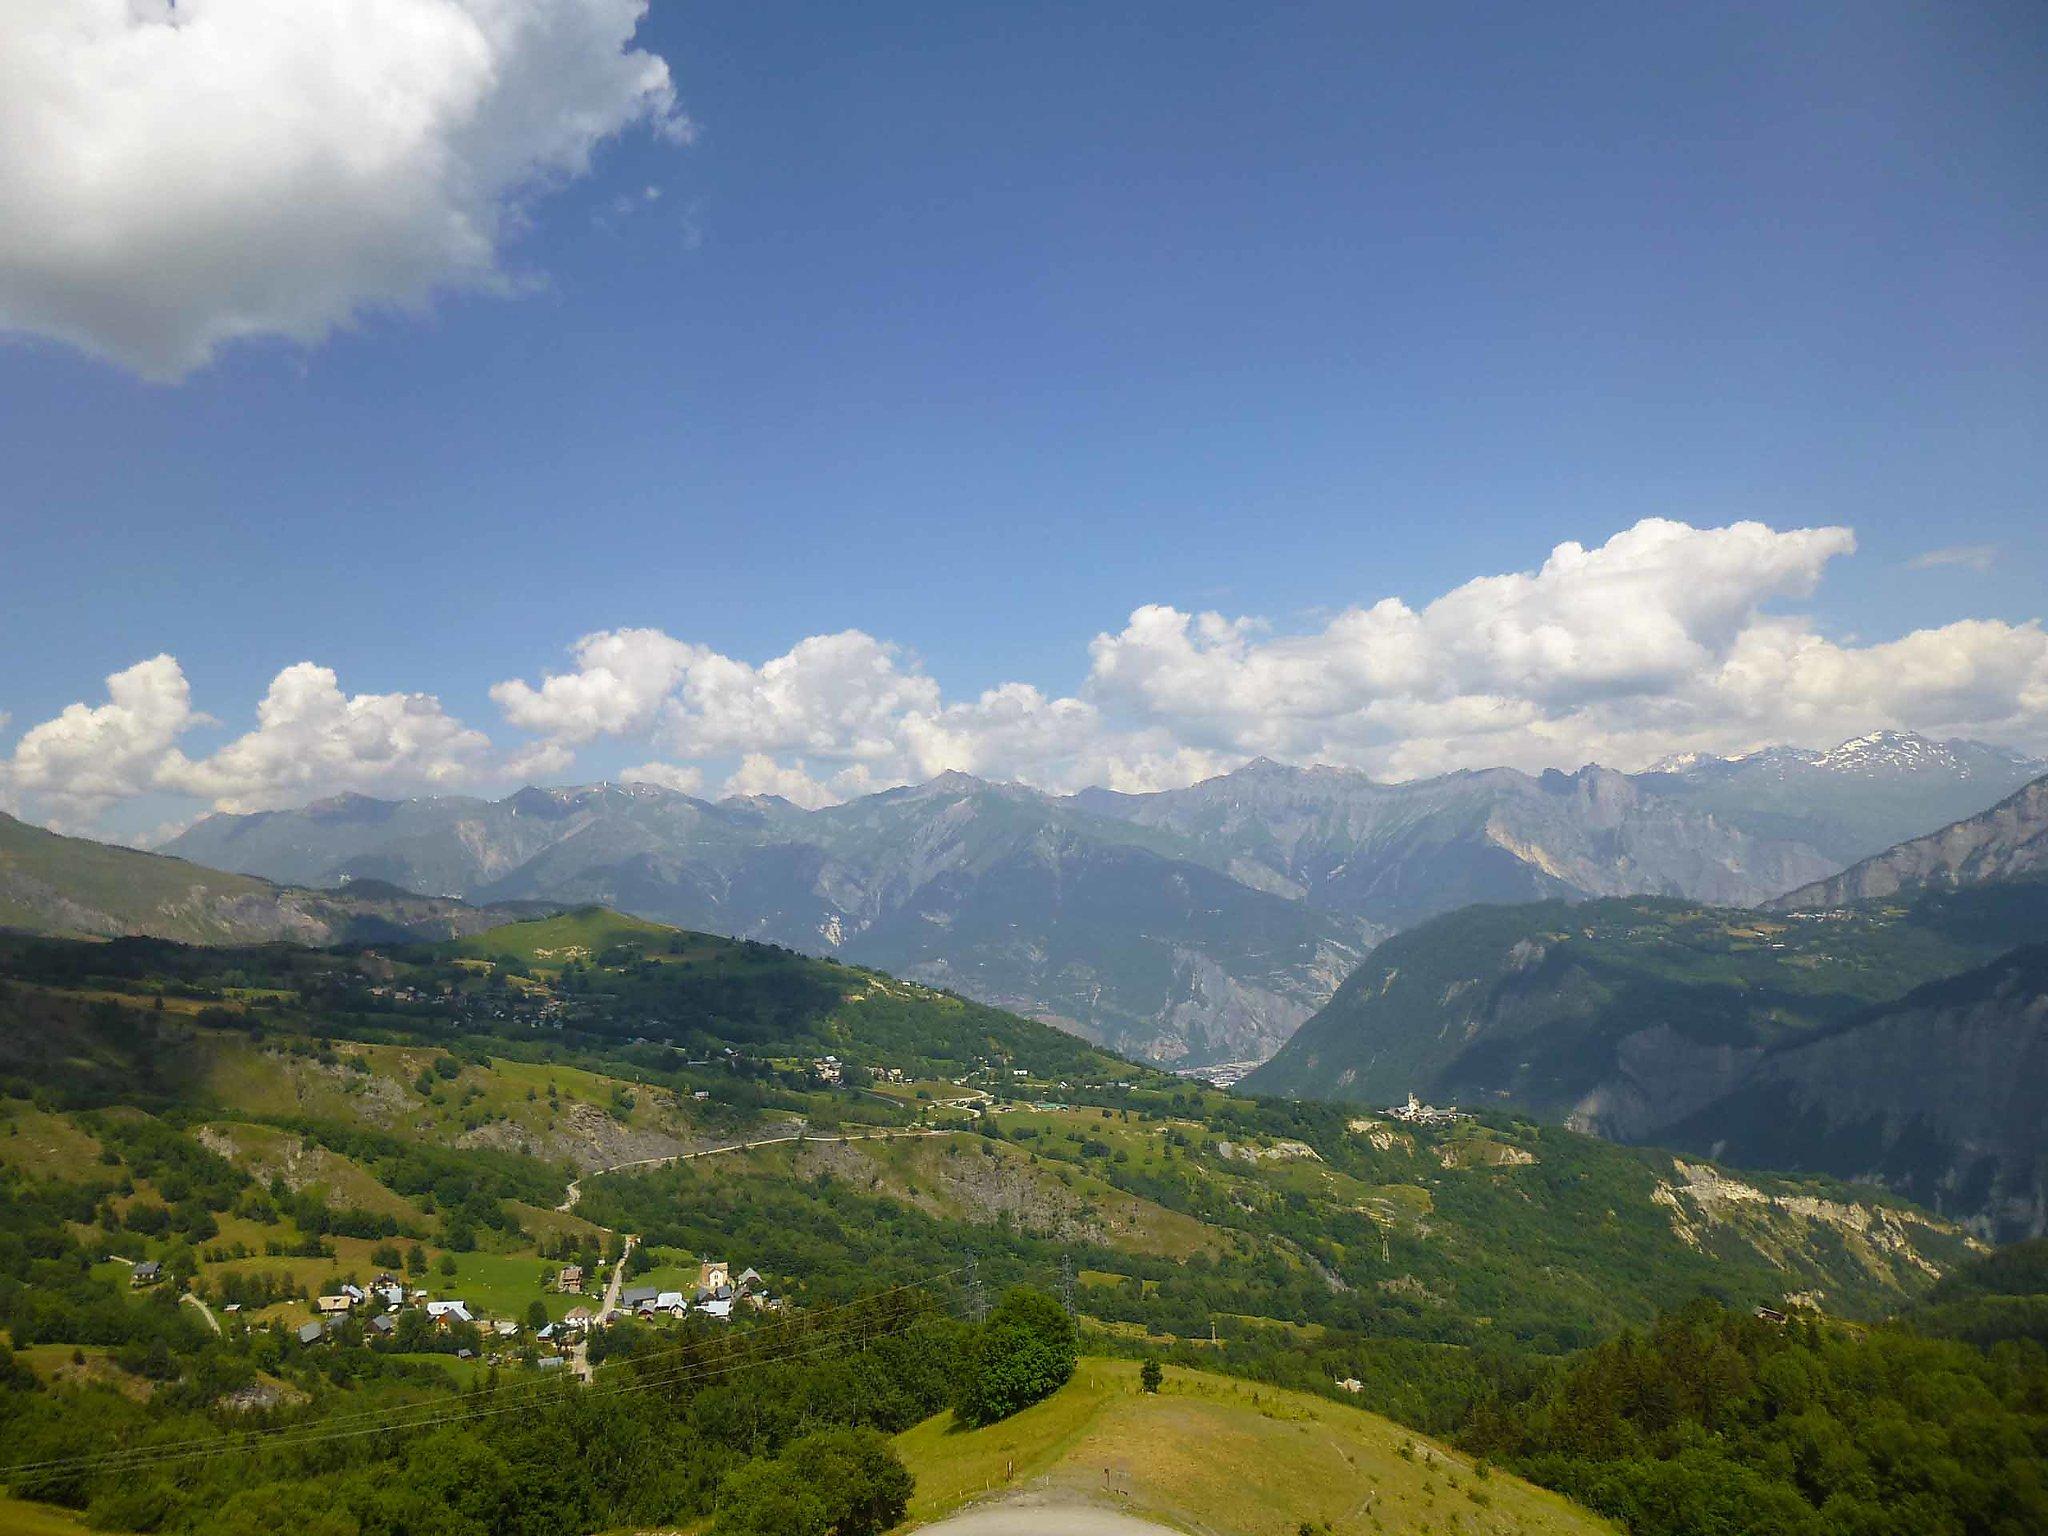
pixel 1938 1097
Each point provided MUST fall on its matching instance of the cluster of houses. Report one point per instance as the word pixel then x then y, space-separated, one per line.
pixel 1415 1113
pixel 385 1298
pixel 716 1291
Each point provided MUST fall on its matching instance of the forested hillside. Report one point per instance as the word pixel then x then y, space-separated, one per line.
pixel 465 1120
pixel 1791 1040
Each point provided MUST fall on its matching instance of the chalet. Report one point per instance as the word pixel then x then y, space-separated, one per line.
pixel 638 1296
pixel 550 1362
pixel 311 1333
pixel 446 1312
pixel 748 1282
pixel 578 1317
pixel 713 1276
pixel 382 1325
pixel 1771 1315
pixel 504 1327
pixel 333 1306
pixel 570 1279
pixel 1351 1384
pixel 545 1331
pixel 672 1302
pixel 390 1295
pixel 717 1307
pixel 232 1308
pixel 148 1272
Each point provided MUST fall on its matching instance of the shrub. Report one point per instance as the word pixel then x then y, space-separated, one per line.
pixel 1024 1352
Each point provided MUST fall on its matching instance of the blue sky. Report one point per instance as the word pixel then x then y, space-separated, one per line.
pixel 974 329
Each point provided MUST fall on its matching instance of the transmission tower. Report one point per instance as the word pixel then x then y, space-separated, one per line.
pixel 977 1299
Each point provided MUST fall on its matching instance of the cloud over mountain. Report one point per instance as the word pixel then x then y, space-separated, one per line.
pixel 310 740
pixel 1664 639
pixel 174 177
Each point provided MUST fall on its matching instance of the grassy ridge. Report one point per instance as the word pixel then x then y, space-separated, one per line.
pixel 1213 1453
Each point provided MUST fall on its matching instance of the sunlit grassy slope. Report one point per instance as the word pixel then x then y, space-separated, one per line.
pixel 18 1517
pixel 1214 1455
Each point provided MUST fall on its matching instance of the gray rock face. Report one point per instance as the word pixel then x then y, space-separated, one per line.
pixel 2007 842
pixel 1938 1096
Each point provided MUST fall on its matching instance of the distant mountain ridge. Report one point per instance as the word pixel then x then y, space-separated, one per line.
pixel 1852 800
pixel 1187 926
pixel 2008 841
pixel 71 886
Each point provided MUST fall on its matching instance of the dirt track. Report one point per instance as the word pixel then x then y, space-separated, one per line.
pixel 1044 1520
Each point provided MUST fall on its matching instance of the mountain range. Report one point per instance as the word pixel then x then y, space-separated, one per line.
pixel 1188 926
pixel 1900 1039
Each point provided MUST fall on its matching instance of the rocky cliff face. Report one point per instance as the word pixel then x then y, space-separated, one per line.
pixel 2009 841
pixel 1938 1097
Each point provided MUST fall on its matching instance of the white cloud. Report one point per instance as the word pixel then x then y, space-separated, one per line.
pixel 760 774
pixel 1659 640
pixel 174 179
pixel 622 679
pixel 686 779
pixel 92 755
pixel 1974 557
pixel 840 697
pixel 311 739
pixel 1666 638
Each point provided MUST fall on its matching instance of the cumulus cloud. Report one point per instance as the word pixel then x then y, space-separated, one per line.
pixel 94 754
pixel 174 178
pixel 310 740
pixel 1665 638
pixel 684 778
pixel 623 677
pixel 760 774
pixel 1659 640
